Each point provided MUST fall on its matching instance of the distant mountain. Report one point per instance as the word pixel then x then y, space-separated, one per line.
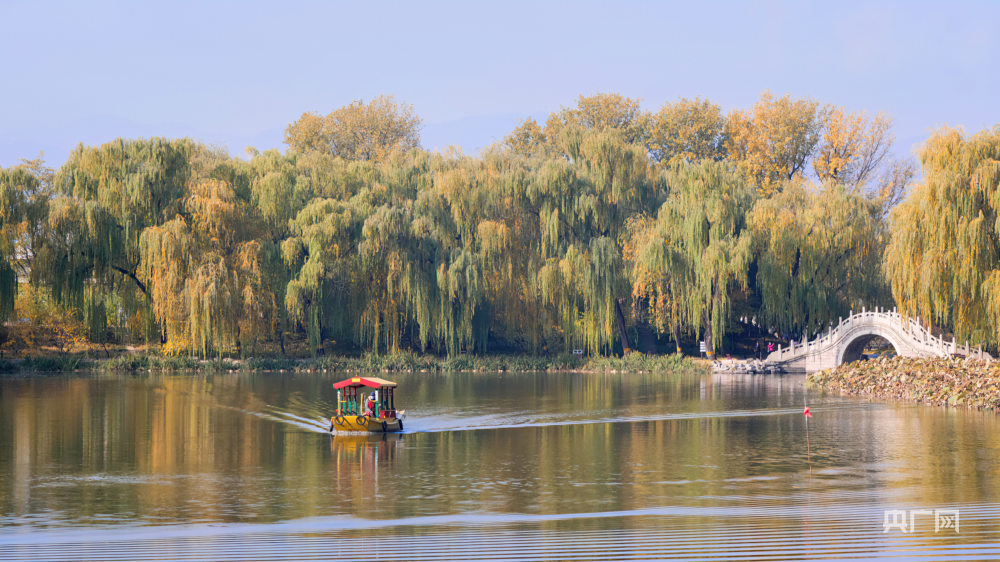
pixel 470 133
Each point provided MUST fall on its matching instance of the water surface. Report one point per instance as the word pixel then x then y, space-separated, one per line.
pixel 522 467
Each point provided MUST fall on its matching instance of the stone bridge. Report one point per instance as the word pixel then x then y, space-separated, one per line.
pixel 848 340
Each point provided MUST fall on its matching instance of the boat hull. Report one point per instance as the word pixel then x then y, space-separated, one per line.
pixel 366 424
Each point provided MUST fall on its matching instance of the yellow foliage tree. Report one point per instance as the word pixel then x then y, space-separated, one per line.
pixel 40 322
pixel 853 147
pixel 856 152
pixel 358 131
pixel 36 208
pixel 527 139
pixel 602 112
pixel 653 284
pixel 773 141
pixel 14 184
pixel 688 131
pixel 207 271
pixel 943 262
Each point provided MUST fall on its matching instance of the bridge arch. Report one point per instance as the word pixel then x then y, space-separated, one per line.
pixel 853 345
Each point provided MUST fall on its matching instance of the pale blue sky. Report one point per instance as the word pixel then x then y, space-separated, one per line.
pixel 236 73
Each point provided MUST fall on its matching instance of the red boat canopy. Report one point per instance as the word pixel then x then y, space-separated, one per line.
pixel 373 382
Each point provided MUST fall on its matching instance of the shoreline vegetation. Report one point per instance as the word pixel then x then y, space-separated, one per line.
pixel 969 383
pixel 393 362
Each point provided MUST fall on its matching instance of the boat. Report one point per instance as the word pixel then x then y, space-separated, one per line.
pixel 353 412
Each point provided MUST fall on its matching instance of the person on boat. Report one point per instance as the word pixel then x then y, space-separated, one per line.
pixel 370 405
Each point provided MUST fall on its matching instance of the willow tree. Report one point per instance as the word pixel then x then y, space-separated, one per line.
pixel 446 251
pixel 321 255
pixel 449 247
pixel 652 276
pixel 818 255
pixel 339 286
pixel 391 257
pixel 109 196
pixel 943 261
pixel 209 272
pixel 583 206
pixel 701 241
pixel 34 218
pixel 509 241
pixel 16 186
pixel 358 131
pixel 605 138
pixel 278 191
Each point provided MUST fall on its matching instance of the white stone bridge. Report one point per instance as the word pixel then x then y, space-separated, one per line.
pixel 848 340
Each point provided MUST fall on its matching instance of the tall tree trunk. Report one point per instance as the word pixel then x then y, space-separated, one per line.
pixel 676 331
pixel 621 328
pixel 709 346
pixel 281 341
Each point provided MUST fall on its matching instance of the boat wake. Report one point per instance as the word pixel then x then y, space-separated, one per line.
pixel 431 423
pixel 320 425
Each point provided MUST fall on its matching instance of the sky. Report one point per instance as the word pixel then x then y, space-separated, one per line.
pixel 237 73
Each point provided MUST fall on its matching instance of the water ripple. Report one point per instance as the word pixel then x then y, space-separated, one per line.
pixel 764 532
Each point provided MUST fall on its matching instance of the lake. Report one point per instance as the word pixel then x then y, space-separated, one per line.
pixel 536 466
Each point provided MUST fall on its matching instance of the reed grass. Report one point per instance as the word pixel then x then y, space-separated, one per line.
pixel 40 364
pixel 408 362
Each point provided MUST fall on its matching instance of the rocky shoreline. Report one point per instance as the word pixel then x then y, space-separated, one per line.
pixel 744 367
pixel 965 383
